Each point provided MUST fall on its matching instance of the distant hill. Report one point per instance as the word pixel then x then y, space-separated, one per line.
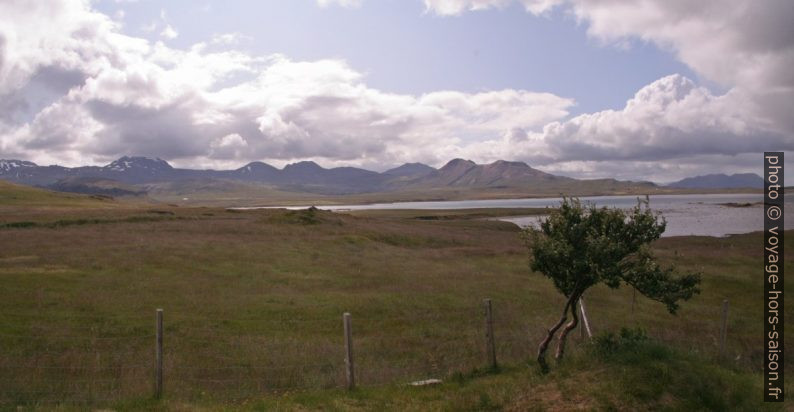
pixel 136 175
pixel 19 195
pixel 501 174
pixel 7 166
pixel 720 181
pixel 459 172
pixel 410 170
pixel 256 172
pixel 96 186
pixel 137 170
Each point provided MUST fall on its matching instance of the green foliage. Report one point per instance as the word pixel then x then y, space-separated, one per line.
pixel 655 376
pixel 579 246
pixel 607 344
pixel 81 222
pixel 306 217
pixel 309 216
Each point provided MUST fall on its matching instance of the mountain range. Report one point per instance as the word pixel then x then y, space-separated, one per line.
pixel 135 175
pixel 720 181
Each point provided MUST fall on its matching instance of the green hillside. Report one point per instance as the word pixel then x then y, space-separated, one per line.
pixel 13 195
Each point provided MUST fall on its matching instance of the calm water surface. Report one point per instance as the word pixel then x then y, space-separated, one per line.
pixel 705 215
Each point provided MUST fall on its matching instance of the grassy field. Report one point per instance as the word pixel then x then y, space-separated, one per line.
pixel 18 198
pixel 253 303
pixel 221 193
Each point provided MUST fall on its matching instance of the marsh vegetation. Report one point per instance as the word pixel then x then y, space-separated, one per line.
pixel 253 303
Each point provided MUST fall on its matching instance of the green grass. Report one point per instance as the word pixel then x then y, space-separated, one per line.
pixel 639 376
pixel 644 375
pixel 253 303
pixel 12 195
pixel 223 193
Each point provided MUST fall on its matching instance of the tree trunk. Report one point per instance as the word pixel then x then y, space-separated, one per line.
pixel 569 327
pixel 544 345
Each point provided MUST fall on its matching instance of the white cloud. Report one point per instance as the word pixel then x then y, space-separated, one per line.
pixel 661 172
pixel 232 146
pixel 204 106
pixel 457 7
pixel 743 45
pixel 229 38
pixel 342 3
pixel 169 32
pixel 669 118
pixel 209 105
pixel 668 128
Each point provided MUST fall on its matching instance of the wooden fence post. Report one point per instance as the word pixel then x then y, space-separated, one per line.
pixel 349 369
pixel 723 327
pixel 158 363
pixel 490 345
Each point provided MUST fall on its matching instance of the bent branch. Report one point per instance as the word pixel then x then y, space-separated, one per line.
pixel 569 327
pixel 544 345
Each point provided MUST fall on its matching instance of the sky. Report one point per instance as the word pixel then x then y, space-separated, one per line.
pixel 632 89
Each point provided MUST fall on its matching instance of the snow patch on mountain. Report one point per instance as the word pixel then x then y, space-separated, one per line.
pixel 10 165
pixel 138 162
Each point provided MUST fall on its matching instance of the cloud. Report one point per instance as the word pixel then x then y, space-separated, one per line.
pixel 669 127
pixel 747 47
pixel 669 118
pixel 231 146
pixel 206 106
pixel 661 172
pixel 744 45
pixel 84 92
pixel 741 44
pixel 457 7
pixel 72 37
pixel 229 38
pixel 169 32
pixel 341 3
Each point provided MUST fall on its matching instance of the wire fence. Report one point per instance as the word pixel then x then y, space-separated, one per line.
pixel 103 360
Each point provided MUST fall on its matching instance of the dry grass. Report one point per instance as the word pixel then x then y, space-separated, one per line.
pixel 253 301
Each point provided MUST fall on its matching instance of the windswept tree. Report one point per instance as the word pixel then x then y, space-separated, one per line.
pixel 579 246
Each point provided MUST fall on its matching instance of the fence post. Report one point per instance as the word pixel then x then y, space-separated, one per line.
pixel 351 378
pixel 490 346
pixel 158 363
pixel 723 327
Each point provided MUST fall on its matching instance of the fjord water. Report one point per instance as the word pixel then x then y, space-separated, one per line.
pixel 696 214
